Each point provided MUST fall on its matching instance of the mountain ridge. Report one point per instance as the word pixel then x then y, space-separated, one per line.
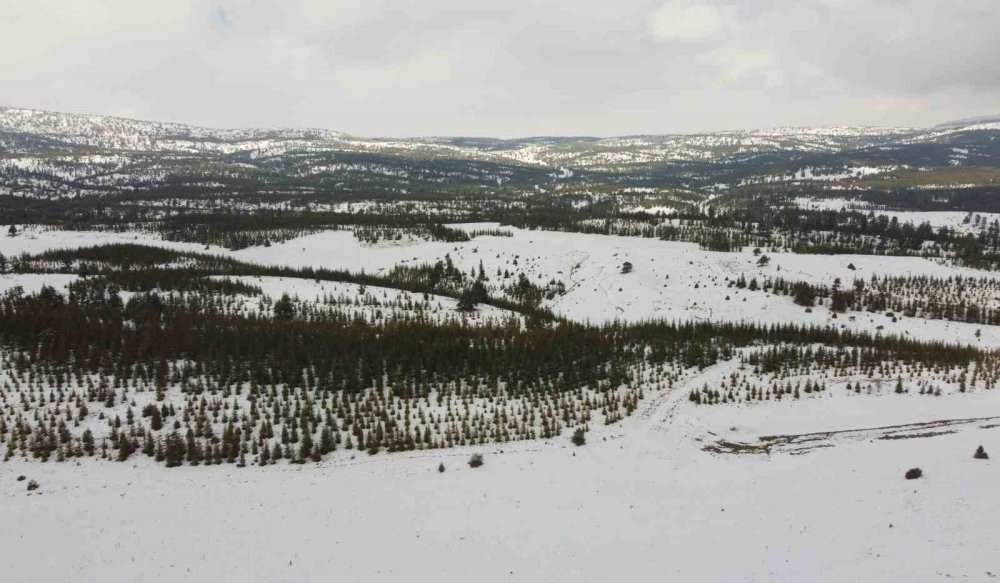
pixel 50 154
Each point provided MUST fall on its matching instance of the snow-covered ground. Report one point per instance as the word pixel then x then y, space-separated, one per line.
pixel 373 303
pixel 669 280
pixel 642 501
pixel 32 282
pixel 960 221
pixel 821 175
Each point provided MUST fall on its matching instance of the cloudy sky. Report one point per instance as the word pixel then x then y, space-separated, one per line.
pixel 505 68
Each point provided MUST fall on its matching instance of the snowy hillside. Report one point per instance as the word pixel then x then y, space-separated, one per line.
pixel 641 501
pixel 126 134
pixel 668 280
pixel 298 355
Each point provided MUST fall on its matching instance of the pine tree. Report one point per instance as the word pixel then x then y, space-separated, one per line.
pixel 305 445
pixel 124 448
pixel 174 450
pixel 88 442
pixel 192 449
pixel 284 309
pixel 156 419
pixel 326 444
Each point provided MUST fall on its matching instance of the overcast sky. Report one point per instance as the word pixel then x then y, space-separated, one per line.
pixel 505 67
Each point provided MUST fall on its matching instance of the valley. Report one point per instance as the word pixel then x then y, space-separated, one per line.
pixel 703 357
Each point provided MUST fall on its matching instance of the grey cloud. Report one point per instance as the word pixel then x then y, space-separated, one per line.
pixel 522 67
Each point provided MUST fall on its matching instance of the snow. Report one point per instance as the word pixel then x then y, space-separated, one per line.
pixel 376 302
pixel 653 209
pixel 955 220
pixel 644 504
pixel 641 501
pixel 670 280
pixel 822 175
pixel 33 282
pixel 561 154
pixel 33 239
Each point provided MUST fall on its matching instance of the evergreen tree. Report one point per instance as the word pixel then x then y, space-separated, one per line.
pixel 174 450
pixel 284 309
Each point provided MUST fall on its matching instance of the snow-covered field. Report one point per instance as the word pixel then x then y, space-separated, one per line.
pixel 963 222
pixel 373 303
pixel 643 500
pixel 670 280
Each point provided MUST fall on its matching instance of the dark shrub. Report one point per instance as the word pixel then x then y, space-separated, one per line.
pixel 981 454
pixel 32 485
pixel 476 460
pixel 803 294
pixel 914 473
pixel 578 438
pixel 840 301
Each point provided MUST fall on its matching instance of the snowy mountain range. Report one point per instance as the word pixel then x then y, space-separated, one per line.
pixel 45 154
